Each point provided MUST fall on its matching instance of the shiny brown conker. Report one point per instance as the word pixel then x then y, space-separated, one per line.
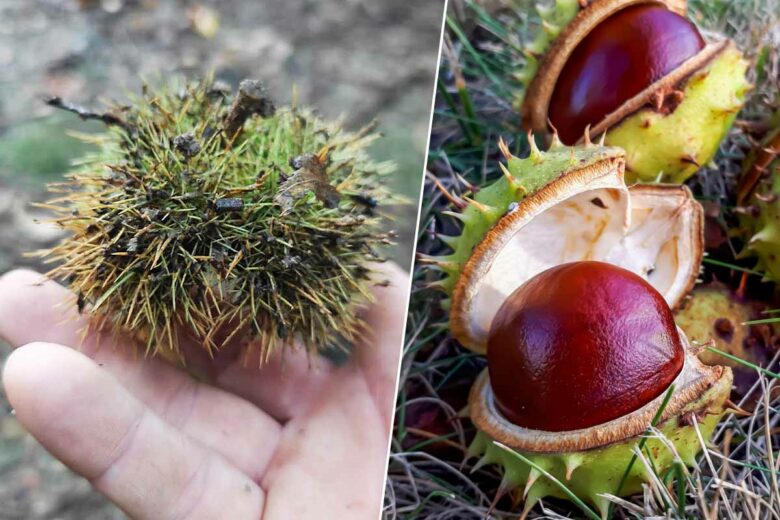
pixel 620 58
pixel 581 344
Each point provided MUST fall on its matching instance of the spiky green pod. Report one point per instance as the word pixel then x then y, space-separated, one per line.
pixel 523 177
pixel 195 219
pixel 553 18
pixel 585 211
pixel 591 473
pixel 764 242
pixel 672 147
pixel 714 312
pixel 560 206
pixel 671 128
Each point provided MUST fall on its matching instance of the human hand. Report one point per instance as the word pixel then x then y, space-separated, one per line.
pixel 281 442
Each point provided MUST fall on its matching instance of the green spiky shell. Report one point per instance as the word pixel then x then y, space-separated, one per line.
pixel 522 178
pixel 661 147
pixel 672 147
pixel 698 317
pixel 590 473
pixel 761 222
pixel 167 245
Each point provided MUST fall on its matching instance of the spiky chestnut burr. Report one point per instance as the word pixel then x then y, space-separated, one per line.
pixel 581 359
pixel 642 73
pixel 715 313
pixel 210 216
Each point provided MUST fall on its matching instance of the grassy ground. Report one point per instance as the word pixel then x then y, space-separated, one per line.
pixel 429 474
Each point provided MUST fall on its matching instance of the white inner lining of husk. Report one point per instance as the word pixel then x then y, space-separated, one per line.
pixel 636 229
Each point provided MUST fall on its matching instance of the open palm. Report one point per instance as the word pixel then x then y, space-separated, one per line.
pixel 286 441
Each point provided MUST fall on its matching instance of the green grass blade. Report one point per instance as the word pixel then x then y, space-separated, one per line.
pixel 641 445
pixel 743 362
pixel 734 267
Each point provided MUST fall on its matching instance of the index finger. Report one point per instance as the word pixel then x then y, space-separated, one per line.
pixel 101 431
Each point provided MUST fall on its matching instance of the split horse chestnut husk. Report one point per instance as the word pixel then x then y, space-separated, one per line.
pixel 565 278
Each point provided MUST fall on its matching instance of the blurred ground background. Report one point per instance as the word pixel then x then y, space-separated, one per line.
pixel 363 59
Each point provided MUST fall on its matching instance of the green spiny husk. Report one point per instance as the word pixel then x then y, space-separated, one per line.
pixel 672 147
pixel 178 229
pixel 522 178
pixel 660 145
pixel 714 312
pixel 761 219
pixel 589 474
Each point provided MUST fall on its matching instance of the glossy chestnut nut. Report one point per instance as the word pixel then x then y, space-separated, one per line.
pixel 581 344
pixel 620 58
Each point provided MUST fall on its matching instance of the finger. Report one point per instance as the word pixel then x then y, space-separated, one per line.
pixel 87 419
pixel 33 308
pixel 379 353
pixel 330 461
pixel 283 386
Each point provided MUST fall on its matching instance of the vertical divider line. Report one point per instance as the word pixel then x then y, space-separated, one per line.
pixel 414 252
